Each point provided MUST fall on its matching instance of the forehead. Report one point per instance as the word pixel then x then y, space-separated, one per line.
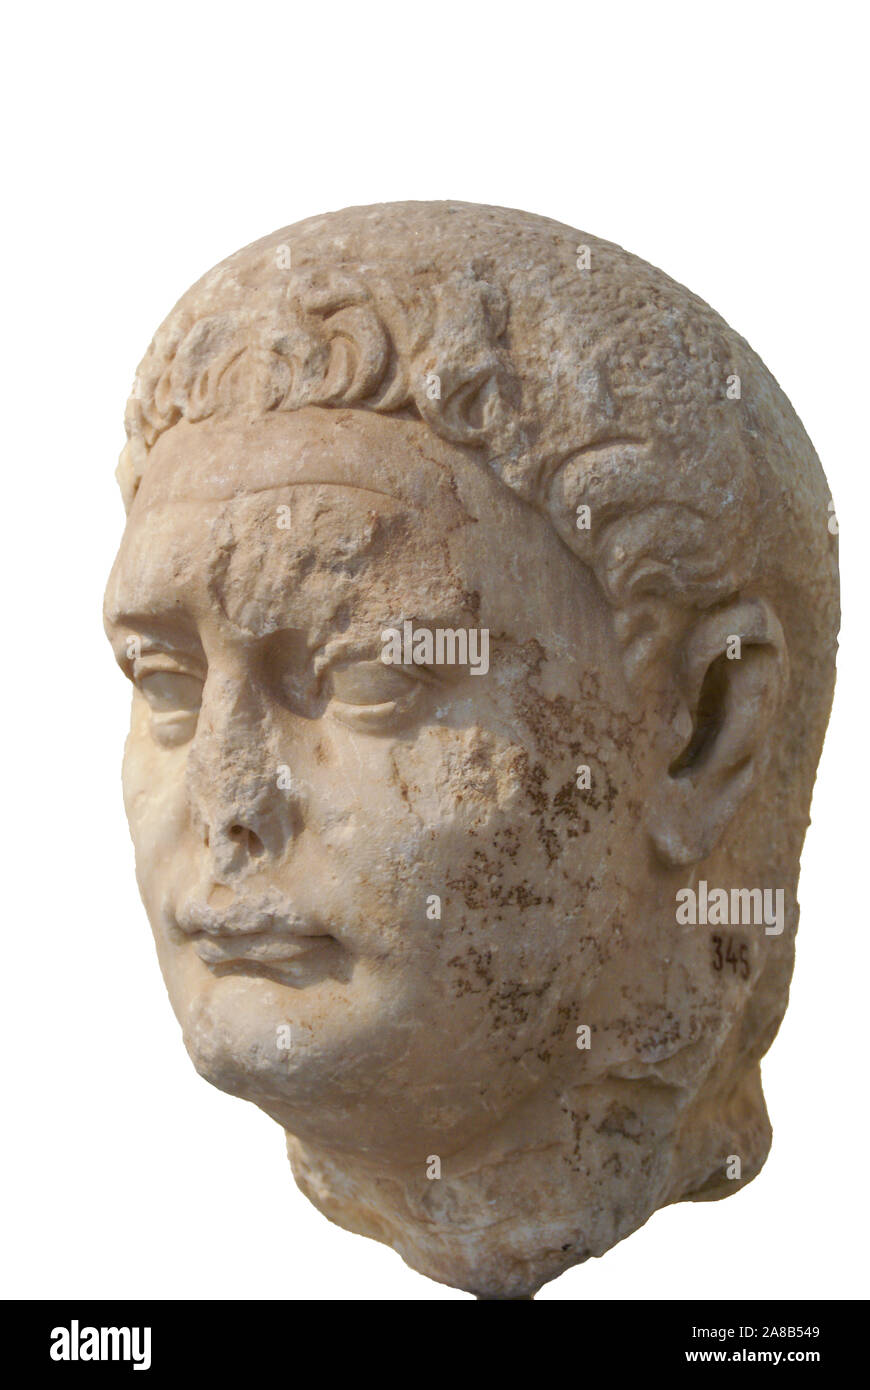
pixel 382 519
pixel 275 522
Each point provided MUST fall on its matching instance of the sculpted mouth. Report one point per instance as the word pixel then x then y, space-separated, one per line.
pixel 243 919
pixel 262 950
pixel 288 962
pixel 276 945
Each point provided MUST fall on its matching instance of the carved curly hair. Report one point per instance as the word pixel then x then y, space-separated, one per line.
pixel 607 386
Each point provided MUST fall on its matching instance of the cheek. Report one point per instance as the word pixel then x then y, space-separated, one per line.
pixel 154 795
pixel 444 838
pixel 486 850
pixel 401 820
pixel 502 823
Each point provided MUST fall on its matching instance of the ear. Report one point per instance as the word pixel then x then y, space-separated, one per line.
pixel 732 673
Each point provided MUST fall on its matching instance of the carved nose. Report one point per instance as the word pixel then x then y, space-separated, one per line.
pixel 241 824
pixel 242 812
pixel 236 844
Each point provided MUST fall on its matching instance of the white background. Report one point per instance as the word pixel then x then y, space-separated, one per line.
pixel 725 144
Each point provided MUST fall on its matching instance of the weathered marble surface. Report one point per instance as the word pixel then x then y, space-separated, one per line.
pixel 429 917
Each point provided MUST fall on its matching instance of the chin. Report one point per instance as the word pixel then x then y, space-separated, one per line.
pixel 254 1038
pixel 241 1031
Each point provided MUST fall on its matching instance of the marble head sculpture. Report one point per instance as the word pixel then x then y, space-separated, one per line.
pixel 479 595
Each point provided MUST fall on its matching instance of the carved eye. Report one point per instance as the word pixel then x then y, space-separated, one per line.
pixel 370 695
pixel 174 698
pixel 170 690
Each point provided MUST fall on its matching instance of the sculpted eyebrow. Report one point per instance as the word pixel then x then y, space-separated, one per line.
pixel 363 637
pixel 173 634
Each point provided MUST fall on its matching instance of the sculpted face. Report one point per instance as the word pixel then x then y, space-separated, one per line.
pixel 392 863
pixel 477 629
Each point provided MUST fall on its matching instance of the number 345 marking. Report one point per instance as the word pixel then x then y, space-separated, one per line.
pixel 731 951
